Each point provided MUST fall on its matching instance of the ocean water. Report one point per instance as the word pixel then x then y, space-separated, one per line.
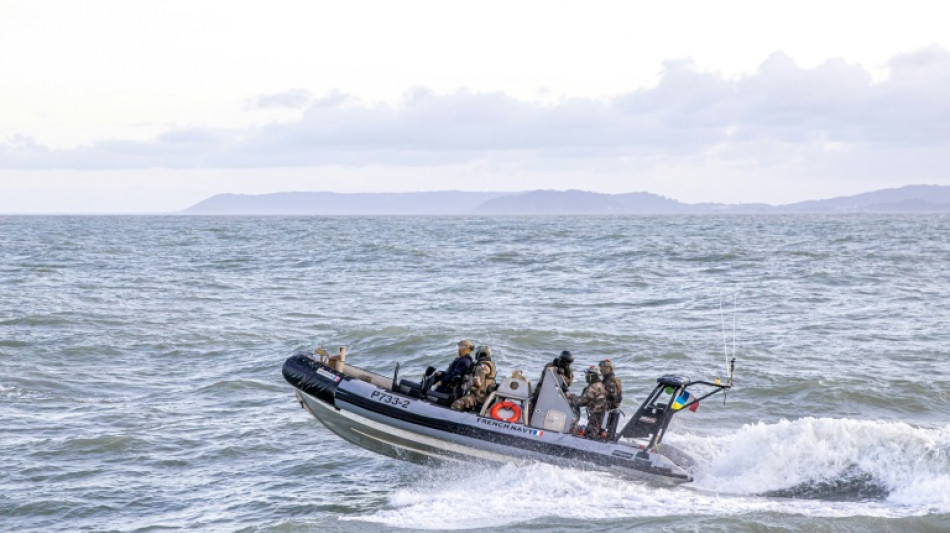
pixel 140 357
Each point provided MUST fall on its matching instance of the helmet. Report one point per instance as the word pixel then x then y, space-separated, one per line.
pixel 592 375
pixel 606 367
pixel 483 352
pixel 465 346
pixel 565 359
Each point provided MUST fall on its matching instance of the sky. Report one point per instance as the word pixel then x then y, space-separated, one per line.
pixel 153 106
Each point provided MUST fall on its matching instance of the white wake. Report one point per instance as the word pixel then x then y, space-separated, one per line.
pixel 736 474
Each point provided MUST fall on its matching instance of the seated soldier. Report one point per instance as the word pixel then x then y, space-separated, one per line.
pixel 450 381
pixel 480 383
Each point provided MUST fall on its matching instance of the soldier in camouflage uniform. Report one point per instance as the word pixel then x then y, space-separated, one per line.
pixel 480 383
pixel 562 365
pixel 595 398
pixel 614 392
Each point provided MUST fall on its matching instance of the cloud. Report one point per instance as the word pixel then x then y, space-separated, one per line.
pixel 778 115
pixel 291 99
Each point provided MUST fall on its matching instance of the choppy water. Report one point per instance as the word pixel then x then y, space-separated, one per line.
pixel 140 359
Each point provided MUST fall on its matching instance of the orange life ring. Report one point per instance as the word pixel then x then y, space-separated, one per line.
pixel 506 405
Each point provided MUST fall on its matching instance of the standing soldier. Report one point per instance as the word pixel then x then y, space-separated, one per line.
pixel 614 392
pixel 595 398
pixel 562 365
pixel 482 381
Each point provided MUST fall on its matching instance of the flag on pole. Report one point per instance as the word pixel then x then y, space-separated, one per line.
pixel 681 401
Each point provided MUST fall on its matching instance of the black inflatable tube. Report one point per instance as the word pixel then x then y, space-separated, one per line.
pixel 301 372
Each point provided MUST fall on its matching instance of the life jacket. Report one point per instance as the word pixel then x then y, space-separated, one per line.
pixel 614 390
pixel 490 378
pixel 490 383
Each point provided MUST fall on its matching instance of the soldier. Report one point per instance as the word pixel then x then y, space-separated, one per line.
pixel 562 365
pixel 480 383
pixel 595 398
pixel 614 392
pixel 450 381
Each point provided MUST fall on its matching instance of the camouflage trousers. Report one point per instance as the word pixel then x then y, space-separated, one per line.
pixel 467 402
pixel 594 422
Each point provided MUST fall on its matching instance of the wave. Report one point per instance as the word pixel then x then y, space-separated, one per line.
pixel 102 444
pixel 828 459
pixel 38 319
pixel 240 385
pixel 531 494
pixel 809 467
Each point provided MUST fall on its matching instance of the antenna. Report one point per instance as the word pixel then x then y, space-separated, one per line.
pixel 730 361
pixel 732 369
pixel 722 323
pixel 735 298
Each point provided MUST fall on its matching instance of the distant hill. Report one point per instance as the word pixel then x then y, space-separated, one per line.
pixel 910 199
pixel 575 202
pixel 331 203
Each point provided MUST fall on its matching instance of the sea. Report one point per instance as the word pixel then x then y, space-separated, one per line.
pixel 141 387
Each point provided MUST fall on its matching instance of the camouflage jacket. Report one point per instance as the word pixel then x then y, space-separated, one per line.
pixel 566 374
pixel 483 378
pixel 614 390
pixel 594 397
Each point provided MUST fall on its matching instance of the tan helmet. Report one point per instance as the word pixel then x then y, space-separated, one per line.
pixel 592 375
pixel 465 346
pixel 606 367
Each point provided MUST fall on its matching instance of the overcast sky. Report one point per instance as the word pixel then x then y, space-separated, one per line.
pixel 138 107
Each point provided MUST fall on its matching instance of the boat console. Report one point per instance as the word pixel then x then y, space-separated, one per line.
pixel 552 410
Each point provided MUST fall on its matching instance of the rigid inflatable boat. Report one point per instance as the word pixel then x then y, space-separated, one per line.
pixel 408 420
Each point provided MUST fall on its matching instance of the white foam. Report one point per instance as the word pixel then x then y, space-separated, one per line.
pixel 12 391
pixel 732 472
pixel 510 495
pixel 912 463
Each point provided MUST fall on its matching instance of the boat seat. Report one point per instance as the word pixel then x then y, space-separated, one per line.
pixel 515 389
pixel 410 388
pixel 439 397
pixel 647 423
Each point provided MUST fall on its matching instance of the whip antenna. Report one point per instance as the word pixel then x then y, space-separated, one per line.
pixel 730 361
pixel 722 323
